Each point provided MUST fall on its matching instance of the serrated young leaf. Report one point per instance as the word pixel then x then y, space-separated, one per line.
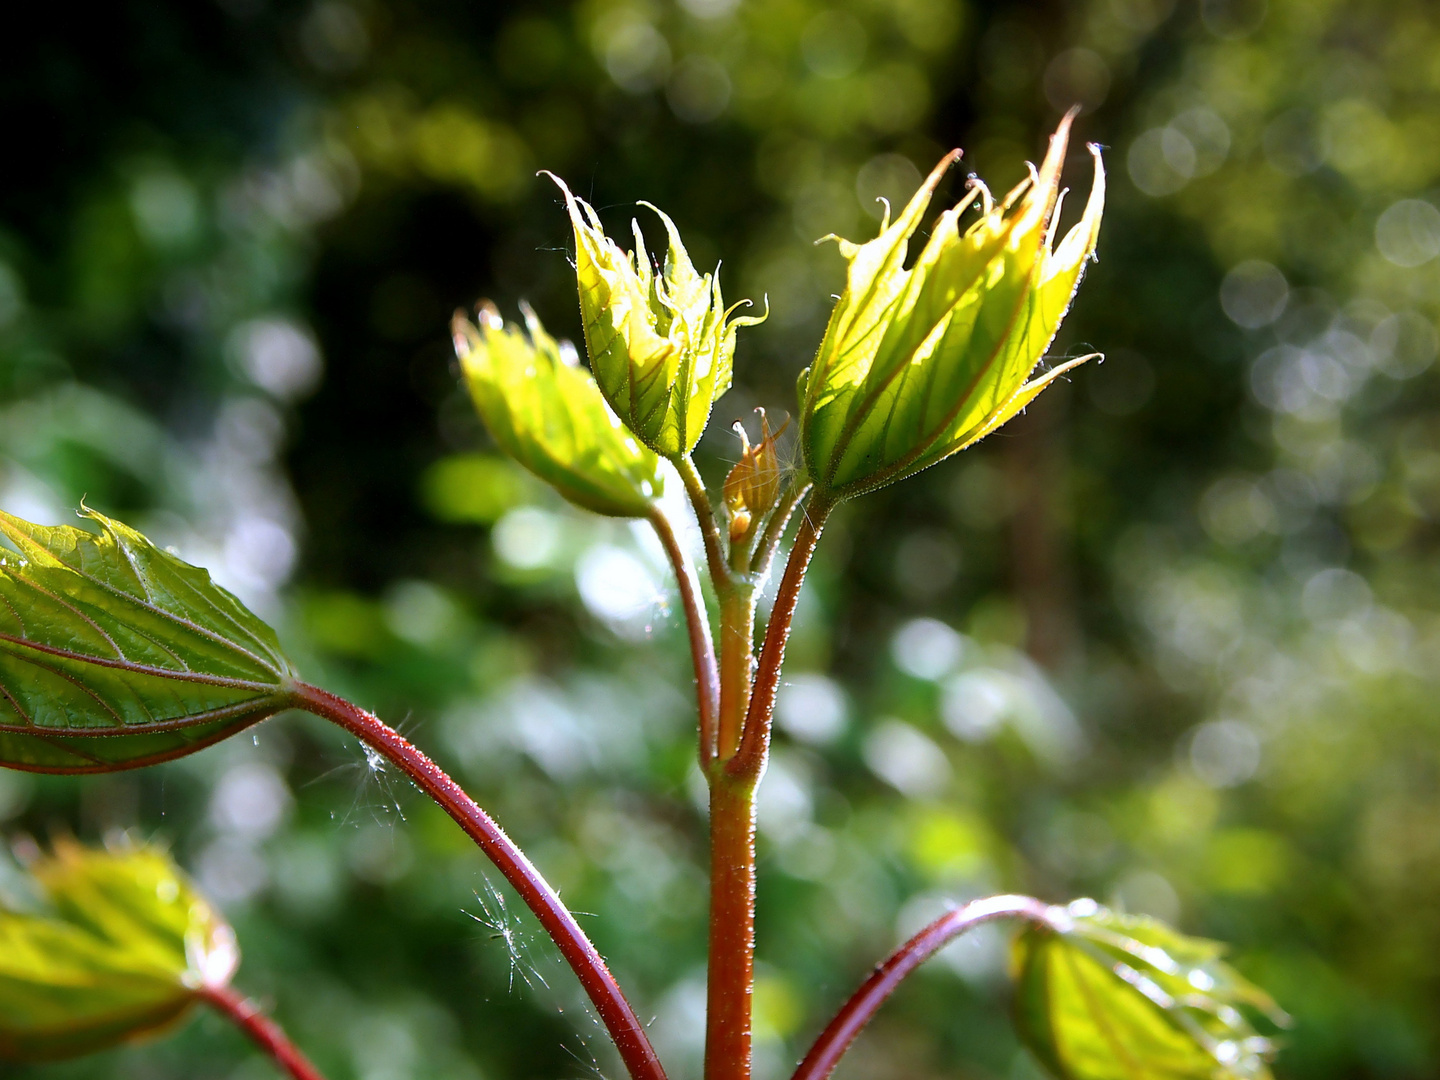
pixel 661 344
pixel 546 412
pixel 919 363
pixel 116 654
pixel 124 950
pixel 1104 996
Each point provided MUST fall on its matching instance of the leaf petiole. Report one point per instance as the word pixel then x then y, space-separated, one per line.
pixel 261 1030
pixel 579 952
pixel 832 1043
pixel 697 624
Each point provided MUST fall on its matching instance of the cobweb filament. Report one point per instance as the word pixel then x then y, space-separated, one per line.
pixel 495 914
pixel 373 788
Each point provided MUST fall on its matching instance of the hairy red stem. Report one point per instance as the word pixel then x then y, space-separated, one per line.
pixel 830 1047
pixel 582 956
pixel 731 973
pixel 754 749
pixel 263 1032
pixel 764 552
pixel 744 741
pixel 697 623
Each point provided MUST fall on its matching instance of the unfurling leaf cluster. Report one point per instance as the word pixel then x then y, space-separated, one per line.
pixel 661 341
pixel 1106 996
pixel 918 363
pixel 120 946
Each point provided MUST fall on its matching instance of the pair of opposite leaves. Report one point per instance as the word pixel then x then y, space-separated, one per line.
pixel 916 364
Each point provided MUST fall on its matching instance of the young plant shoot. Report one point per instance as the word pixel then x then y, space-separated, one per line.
pixel 115 654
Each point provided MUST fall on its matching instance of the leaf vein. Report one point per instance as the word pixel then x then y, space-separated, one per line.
pixel 139 669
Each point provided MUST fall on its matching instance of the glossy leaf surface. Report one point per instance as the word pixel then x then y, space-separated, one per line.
pixel 120 949
pixel 919 363
pixel 661 342
pixel 546 412
pixel 1119 997
pixel 115 654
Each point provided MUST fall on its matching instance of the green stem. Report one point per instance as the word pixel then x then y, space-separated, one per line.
pixel 737 665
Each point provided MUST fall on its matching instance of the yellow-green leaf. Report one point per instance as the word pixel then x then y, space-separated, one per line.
pixel 661 344
pixel 122 948
pixel 115 654
pixel 917 363
pixel 1103 996
pixel 545 411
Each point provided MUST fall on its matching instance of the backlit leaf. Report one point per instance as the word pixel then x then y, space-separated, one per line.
pixel 122 948
pixel 115 654
pixel 1103 996
pixel 545 411
pixel 918 363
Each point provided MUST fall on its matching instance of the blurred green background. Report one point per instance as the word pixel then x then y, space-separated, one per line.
pixel 1170 640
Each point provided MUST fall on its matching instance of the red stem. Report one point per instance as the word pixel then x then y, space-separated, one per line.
pixel 744 740
pixel 615 1012
pixel 830 1047
pixel 697 622
pixel 754 750
pixel 775 528
pixel 264 1032
pixel 731 974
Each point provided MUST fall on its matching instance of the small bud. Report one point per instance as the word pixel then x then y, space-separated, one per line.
pixel 753 486
pixel 546 412
pixel 919 363
pixel 661 343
